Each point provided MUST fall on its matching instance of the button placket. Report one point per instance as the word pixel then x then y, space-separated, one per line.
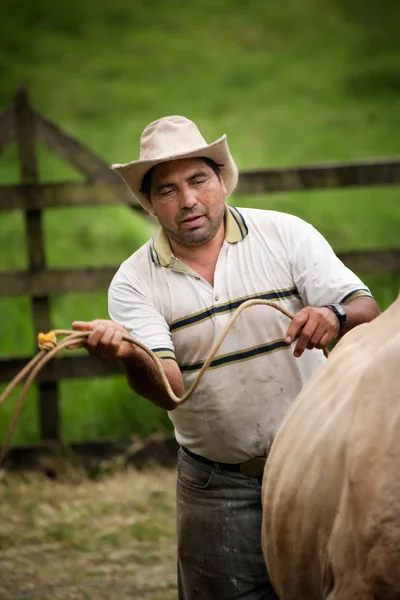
pixel 219 268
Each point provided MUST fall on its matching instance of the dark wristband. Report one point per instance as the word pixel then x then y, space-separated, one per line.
pixel 340 313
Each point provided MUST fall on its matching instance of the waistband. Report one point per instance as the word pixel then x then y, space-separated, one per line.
pixel 254 467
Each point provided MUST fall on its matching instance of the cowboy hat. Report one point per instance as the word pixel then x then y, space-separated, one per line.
pixel 171 138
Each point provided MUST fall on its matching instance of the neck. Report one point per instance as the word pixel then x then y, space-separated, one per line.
pixel 202 259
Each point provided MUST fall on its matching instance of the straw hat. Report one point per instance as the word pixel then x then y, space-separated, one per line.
pixel 171 138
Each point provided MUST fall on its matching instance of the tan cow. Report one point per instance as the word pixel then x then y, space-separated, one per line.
pixel 331 487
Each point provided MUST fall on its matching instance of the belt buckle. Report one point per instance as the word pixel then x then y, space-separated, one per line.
pixel 253 467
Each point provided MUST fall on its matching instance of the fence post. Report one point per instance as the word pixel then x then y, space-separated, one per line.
pixel 25 133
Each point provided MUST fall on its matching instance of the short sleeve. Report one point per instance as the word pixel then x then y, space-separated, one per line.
pixel 130 306
pixel 320 277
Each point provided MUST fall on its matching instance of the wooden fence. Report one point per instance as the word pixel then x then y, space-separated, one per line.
pixel 21 123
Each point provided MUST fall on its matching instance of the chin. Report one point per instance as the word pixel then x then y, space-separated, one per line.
pixel 196 240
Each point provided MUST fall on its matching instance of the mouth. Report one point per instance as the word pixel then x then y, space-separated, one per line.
pixel 193 221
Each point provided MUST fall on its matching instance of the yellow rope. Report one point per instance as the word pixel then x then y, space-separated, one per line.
pixel 49 346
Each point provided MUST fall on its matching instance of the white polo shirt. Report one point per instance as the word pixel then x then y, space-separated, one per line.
pixel 237 409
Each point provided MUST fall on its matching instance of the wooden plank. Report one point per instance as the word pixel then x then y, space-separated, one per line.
pixel 64 367
pixel 81 158
pixel 58 195
pixel 26 137
pixel 340 175
pixel 74 152
pixel 372 261
pixel 54 282
pixel 25 131
pixel 55 195
pixel 7 130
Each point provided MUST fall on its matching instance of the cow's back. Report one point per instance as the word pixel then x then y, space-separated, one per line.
pixel 331 522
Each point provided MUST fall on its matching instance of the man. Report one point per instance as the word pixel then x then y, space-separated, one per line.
pixel 176 294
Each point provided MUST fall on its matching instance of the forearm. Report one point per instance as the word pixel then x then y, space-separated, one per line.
pixel 360 310
pixel 145 380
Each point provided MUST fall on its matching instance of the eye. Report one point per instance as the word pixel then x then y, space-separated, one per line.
pixel 198 181
pixel 167 192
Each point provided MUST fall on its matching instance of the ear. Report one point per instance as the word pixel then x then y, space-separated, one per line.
pixel 224 188
pixel 151 210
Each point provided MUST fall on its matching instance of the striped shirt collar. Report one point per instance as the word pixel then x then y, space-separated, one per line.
pixel 235 231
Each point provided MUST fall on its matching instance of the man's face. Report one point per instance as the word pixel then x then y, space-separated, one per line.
pixel 189 200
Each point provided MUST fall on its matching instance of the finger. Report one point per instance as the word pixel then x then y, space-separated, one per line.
pixel 105 341
pixel 105 345
pixel 115 344
pixel 316 337
pixel 94 338
pixel 295 326
pixel 83 326
pixel 305 336
pixel 326 339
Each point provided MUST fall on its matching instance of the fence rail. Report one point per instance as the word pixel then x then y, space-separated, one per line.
pixel 20 122
pixel 313 177
pixel 62 281
pixel 61 195
pixel 57 195
pixel 66 367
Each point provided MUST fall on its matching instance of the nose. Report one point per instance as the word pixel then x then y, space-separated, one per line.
pixel 187 197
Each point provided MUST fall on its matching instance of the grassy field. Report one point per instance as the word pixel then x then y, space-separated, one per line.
pixel 309 82
pixel 79 539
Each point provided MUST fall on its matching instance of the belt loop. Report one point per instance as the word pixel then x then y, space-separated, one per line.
pixel 217 467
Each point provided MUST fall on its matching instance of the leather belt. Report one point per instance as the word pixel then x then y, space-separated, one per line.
pixel 254 467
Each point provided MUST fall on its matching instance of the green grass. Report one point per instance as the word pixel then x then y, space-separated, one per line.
pixel 151 530
pixel 290 84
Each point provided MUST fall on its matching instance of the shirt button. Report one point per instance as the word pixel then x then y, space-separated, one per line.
pixel 216 298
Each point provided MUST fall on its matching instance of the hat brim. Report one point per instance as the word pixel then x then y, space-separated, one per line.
pixel 133 172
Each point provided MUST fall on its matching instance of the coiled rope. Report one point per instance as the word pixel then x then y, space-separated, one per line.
pixel 49 346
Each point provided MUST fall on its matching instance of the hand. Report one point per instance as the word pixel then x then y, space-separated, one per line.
pixel 105 340
pixel 316 328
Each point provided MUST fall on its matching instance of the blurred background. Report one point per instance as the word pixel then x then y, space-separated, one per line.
pixel 291 83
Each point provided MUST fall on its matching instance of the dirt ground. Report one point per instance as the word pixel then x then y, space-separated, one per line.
pixel 75 538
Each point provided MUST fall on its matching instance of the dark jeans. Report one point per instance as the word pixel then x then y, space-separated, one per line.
pixel 219 535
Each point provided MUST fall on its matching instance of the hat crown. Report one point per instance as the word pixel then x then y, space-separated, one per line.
pixel 170 136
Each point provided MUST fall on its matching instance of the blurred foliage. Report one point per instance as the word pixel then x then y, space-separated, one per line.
pixel 299 82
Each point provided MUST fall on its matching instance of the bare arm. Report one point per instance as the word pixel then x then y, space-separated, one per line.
pixel 318 326
pixel 146 381
pixel 360 310
pixel 106 342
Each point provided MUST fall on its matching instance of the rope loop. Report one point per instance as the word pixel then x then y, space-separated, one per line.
pixel 49 347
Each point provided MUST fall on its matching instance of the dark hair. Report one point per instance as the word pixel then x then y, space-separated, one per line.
pixel 146 181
